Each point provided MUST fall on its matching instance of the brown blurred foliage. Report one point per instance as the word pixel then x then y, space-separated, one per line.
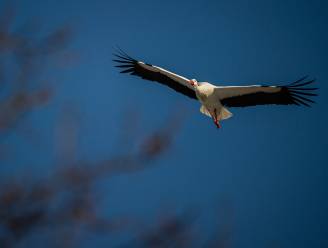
pixel 66 198
pixel 24 54
pixel 61 207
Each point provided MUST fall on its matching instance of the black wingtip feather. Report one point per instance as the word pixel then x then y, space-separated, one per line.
pixel 127 70
pixel 302 84
pixel 120 53
pixel 124 66
pixel 296 91
pixel 123 57
pixel 123 62
pixel 302 89
pixel 297 81
pixel 304 98
pixel 303 93
pixel 124 53
pixel 300 102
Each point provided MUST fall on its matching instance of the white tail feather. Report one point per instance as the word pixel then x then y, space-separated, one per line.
pixel 225 113
pixel 204 110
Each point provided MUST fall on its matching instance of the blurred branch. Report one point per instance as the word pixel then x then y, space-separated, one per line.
pixel 173 231
pixel 25 207
pixel 23 58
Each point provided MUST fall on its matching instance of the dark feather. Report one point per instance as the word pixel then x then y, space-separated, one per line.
pixel 290 94
pixel 297 81
pixel 303 93
pixel 122 66
pixel 302 84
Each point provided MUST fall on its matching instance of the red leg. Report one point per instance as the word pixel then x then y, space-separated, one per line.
pixel 218 125
pixel 215 119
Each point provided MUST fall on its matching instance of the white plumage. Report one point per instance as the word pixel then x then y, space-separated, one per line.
pixel 208 96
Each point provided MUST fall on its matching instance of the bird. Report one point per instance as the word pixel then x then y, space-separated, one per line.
pixel 215 100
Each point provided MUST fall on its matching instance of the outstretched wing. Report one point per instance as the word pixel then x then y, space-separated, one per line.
pixel 153 73
pixel 243 96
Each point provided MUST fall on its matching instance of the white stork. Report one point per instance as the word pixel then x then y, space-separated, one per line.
pixel 214 99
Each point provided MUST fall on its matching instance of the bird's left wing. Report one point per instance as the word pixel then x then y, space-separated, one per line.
pixel 243 96
pixel 154 73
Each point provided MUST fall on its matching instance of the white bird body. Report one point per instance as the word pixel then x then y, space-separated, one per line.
pixel 215 99
pixel 209 97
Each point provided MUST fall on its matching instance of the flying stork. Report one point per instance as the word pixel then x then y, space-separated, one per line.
pixel 215 99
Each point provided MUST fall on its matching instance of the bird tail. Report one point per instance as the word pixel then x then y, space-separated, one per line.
pixel 225 113
pixel 204 111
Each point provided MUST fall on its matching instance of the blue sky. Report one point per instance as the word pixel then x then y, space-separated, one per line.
pixel 269 162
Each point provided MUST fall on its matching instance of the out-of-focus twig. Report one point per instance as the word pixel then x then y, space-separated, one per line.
pixel 23 58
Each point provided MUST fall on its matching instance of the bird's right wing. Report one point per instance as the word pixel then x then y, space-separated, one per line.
pixel 154 73
pixel 244 96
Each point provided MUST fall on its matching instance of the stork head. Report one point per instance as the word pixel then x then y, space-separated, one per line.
pixel 193 82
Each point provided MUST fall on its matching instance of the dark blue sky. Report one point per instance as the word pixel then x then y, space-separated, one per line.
pixel 269 163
